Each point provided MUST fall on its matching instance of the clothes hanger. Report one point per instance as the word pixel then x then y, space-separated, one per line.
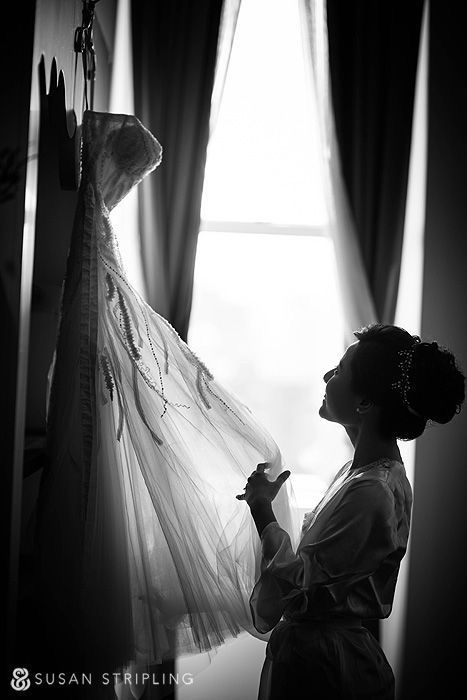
pixel 65 122
pixel 84 44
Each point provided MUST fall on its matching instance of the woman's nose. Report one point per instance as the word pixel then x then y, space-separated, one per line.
pixel 328 376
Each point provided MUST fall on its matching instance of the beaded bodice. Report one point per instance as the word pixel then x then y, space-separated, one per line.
pixel 118 152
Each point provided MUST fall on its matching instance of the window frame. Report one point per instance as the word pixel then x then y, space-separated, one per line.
pixel 264 228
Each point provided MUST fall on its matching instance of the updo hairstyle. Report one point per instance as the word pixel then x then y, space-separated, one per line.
pixel 412 381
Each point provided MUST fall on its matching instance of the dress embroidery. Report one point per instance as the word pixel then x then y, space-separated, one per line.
pixel 143 549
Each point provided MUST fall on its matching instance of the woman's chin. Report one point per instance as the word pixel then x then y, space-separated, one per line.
pixel 325 413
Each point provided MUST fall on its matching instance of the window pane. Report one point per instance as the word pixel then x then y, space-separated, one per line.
pixel 263 161
pixel 267 321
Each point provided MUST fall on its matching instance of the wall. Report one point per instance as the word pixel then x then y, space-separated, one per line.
pixel 435 619
pixel 15 57
pixel 36 229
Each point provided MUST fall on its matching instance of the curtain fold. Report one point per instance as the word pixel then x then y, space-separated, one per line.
pixel 175 49
pixel 356 295
pixel 373 53
pixel 363 61
pixel 228 25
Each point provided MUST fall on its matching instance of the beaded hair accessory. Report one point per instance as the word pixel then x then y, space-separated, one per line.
pixel 403 385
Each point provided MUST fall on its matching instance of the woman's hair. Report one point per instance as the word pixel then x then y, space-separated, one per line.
pixel 411 381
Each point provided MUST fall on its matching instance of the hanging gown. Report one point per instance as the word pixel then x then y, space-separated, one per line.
pixel 144 553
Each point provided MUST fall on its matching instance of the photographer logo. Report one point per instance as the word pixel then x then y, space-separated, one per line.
pixel 20 680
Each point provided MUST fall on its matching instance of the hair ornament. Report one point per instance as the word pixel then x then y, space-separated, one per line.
pixel 404 384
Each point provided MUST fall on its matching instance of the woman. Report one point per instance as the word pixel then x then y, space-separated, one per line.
pixel 386 387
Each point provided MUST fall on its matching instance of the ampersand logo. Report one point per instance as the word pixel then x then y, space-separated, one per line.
pixel 20 680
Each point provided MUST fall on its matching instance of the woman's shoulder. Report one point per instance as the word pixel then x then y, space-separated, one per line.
pixel 386 479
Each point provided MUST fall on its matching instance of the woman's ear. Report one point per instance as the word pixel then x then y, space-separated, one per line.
pixel 364 406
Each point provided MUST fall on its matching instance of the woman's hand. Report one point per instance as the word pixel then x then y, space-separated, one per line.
pixel 260 488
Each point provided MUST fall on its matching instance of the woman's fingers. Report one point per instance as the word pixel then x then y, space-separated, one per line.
pixel 259 469
pixel 271 486
pixel 279 480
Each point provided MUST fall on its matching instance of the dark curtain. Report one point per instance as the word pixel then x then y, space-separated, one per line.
pixel 373 52
pixel 174 48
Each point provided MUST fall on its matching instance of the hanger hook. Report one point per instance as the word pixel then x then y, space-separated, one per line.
pixel 83 44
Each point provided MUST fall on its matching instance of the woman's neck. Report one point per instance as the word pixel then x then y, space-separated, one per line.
pixel 369 446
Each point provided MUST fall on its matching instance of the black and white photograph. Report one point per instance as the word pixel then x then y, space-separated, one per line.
pixel 233 281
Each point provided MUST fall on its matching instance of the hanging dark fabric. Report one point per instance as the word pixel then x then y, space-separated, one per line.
pixel 373 51
pixel 174 47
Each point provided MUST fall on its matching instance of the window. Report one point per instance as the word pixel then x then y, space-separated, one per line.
pixel 266 314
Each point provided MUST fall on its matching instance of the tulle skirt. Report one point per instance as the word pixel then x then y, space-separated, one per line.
pixel 143 551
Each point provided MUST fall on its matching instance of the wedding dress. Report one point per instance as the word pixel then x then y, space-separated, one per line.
pixel 144 553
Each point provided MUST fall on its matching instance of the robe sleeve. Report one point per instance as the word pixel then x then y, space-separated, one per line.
pixel 359 534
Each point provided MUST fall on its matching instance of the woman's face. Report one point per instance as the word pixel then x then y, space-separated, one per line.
pixel 340 402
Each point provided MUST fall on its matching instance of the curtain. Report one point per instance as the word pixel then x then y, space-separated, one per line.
pixel 363 61
pixel 354 286
pixel 175 50
pixel 363 58
pixel 228 25
pixel 373 53
pixel 121 101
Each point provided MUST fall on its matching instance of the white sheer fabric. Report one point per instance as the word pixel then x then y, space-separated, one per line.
pixel 228 25
pixel 144 551
pixel 356 296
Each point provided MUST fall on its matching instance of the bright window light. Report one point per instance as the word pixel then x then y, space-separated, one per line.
pixel 266 315
pixel 266 320
pixel 263 162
